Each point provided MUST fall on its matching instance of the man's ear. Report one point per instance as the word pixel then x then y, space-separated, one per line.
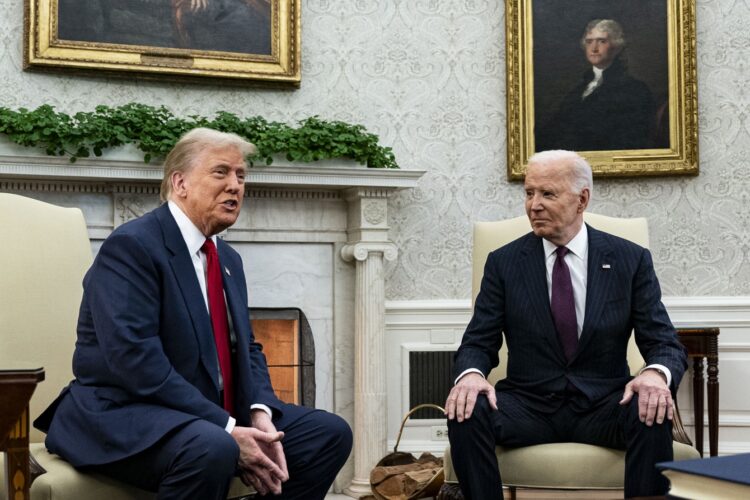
pixel 178 181
pixel 583 199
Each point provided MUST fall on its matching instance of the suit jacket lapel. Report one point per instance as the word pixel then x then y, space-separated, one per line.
pixel 236 308
pixel 534 279
pixel 601 263
pixel 184 272
pixel 239 322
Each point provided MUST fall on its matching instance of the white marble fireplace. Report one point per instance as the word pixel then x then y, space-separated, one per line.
pixel 312 237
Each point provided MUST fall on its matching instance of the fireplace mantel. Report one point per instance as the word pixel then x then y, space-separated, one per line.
pixel 313 236
pixel 325 174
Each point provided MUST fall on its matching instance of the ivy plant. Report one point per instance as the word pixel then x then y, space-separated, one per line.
pixel 155 130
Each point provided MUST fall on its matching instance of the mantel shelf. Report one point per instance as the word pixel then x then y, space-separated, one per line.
pixel 106 170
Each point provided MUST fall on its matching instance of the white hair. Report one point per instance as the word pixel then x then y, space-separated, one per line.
pixel 581 176
pixel 609 26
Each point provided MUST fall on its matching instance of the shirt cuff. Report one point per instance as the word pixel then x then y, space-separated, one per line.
pixel 230 425
pixel 468 370
pixel 259 406
pixel 661 369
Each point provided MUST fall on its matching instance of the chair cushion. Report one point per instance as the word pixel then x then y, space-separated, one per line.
pixel 63 482
pixel 564 465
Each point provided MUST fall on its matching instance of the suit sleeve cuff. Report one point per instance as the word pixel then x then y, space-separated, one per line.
pixel 661 369
pixel 259 406
pixel 468 370
pixel 230 425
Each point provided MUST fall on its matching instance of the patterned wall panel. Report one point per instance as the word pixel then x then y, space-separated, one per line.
pixel 428 76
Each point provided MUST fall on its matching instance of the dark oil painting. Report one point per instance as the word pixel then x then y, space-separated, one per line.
pixel 235 26
pixel 623 105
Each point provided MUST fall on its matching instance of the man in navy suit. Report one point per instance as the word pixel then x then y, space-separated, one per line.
pixel 566 297
pixel 152 403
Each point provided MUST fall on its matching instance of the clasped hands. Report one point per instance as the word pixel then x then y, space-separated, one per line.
pixel 262 462
pixel 654 398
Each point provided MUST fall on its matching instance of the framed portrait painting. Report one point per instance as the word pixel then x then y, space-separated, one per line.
pixel 612 80
pixel 242 40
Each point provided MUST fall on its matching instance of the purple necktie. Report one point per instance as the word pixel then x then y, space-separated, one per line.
pixel 563 305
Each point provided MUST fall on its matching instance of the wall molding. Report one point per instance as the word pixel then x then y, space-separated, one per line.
pixel 720 311
pixel 51 168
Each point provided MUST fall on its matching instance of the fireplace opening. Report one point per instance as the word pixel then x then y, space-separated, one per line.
pixel 289 347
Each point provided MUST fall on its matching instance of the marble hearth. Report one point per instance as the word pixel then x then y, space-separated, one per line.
pixel 312 237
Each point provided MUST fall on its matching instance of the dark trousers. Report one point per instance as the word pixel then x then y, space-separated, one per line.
pixel 514 424
pixel 199 459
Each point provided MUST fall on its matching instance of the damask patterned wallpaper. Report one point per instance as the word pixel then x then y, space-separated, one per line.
pixel 428 76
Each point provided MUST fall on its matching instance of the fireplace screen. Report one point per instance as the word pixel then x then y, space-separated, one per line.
pixel 290 352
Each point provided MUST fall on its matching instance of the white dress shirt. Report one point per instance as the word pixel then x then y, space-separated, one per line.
pixel 598 74
pixel 577 262
pixel 194 240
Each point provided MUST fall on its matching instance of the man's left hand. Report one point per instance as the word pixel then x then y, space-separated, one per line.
pixel 654 398
pixel 273 450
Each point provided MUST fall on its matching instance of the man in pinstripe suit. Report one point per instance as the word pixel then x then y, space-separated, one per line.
pixel 568 377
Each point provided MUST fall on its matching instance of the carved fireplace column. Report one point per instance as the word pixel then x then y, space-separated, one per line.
pixel 368 246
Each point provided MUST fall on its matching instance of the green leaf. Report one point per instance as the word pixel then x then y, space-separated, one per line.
pixel 155 130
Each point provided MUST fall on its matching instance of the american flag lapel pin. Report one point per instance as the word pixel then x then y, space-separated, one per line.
pixel 604 266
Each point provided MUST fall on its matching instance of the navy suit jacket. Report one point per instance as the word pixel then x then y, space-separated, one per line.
pixel 622 295
pixel 145 360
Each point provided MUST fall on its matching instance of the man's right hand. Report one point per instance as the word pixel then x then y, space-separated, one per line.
pixel 253 459
pixel 463 396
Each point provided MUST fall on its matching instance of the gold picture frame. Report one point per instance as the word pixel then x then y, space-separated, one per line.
pixel 545 52
pixel 236 40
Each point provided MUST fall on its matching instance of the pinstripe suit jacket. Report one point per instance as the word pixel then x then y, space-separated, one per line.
pixel 621 298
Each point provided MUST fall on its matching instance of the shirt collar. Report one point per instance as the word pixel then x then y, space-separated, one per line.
pixel 577 246
pixel 193 236
pixel 597 73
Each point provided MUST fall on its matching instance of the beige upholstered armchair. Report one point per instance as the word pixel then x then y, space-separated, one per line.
pixel 44 254
pixel 585 467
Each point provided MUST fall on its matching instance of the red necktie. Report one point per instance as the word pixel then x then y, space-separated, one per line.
pixel 563 305
pixel 218 310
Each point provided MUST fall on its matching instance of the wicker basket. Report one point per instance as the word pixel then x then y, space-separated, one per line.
pixel 430 487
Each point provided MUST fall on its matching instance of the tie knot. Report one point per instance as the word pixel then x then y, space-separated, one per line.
pixel 208 247
pixel 562 252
